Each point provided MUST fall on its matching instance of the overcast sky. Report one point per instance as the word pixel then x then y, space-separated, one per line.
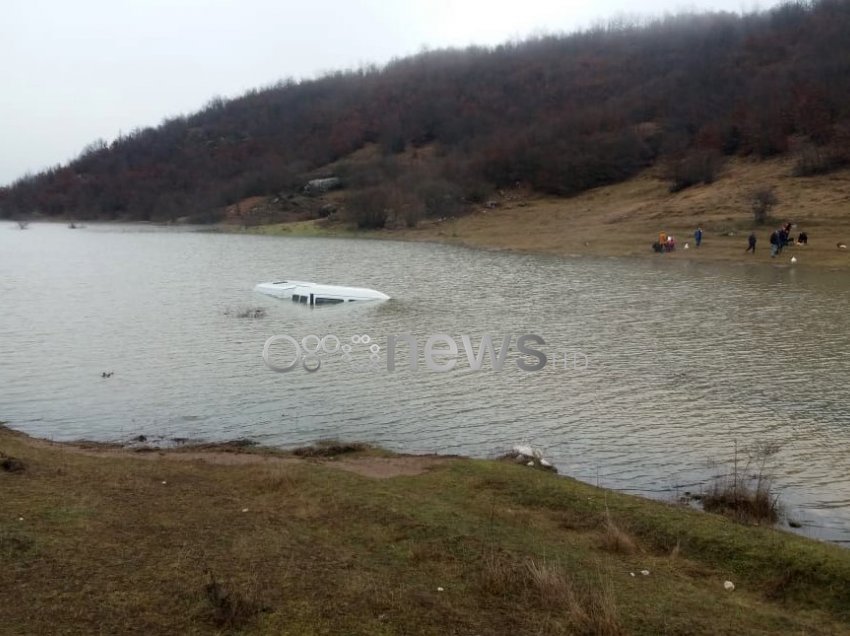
pixel 75 71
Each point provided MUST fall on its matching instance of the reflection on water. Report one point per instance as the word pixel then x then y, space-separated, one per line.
pixel 684 359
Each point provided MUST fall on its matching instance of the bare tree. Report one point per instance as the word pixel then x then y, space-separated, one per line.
pixel 763 200
pixel 369 208
pixel 701 166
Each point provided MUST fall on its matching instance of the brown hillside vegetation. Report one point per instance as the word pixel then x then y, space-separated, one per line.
pixel 558 115
pixel 97 539
pixel 625 218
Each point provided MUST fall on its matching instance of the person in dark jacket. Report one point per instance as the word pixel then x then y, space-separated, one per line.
pixel 774 243
pixel 698 236
pixel 751 242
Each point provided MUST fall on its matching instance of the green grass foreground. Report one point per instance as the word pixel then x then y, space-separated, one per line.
pixel 104 540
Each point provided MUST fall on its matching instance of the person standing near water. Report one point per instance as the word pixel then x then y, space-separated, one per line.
pixel 751 242
pixel 698 236
pixel 783 239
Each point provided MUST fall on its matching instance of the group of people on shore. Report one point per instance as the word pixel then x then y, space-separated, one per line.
pixel 665 243
pixel 779 239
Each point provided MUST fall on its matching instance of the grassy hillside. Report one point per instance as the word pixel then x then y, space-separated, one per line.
pixel 625 218
pixel 229 540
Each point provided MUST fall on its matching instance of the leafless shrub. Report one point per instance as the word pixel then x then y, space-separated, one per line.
pixel 697 167
pixel 763 199
pixel 616 540
pixel 815 160
pixel 412 216
pixel 745 493
pixel 440 197
pixel 232 608
pixel 369 209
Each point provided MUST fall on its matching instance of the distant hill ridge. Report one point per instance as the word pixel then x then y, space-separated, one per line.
pixel 426 135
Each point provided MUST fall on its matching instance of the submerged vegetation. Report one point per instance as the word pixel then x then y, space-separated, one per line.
pixel 429 135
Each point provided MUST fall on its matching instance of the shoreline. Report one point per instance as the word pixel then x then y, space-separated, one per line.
pixel 368 460
pixel 258 541
pixel 723 250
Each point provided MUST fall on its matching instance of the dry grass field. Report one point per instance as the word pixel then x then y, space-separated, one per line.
pixel 624 219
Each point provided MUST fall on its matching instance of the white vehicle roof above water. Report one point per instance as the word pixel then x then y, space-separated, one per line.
pixel 316 294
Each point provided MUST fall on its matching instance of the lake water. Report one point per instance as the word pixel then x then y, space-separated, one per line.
pixel 683 359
